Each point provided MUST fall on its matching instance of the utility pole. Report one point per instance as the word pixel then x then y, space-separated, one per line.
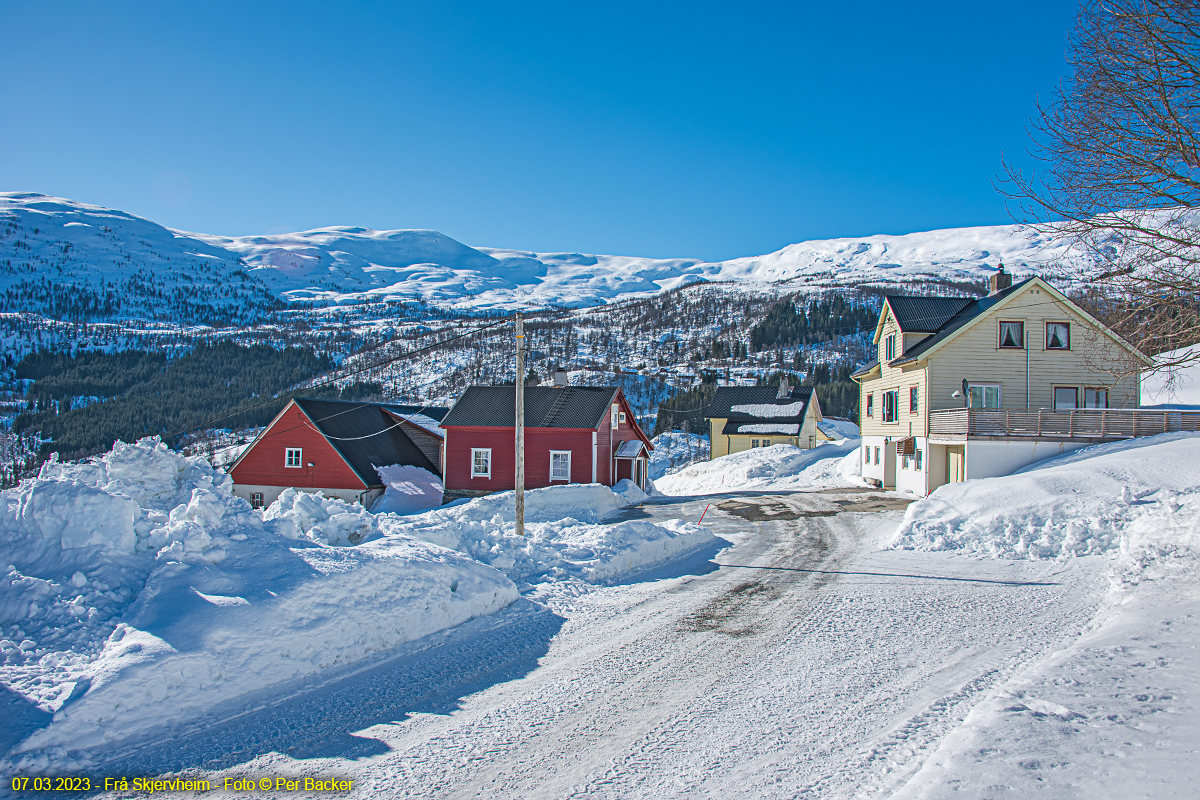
pixel 520 482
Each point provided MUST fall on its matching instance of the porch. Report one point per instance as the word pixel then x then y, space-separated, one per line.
pixel 1095 424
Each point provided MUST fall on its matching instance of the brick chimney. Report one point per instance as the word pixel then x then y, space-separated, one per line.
pixel 1000 281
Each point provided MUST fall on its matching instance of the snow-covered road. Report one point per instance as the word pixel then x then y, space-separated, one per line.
pixel 808 663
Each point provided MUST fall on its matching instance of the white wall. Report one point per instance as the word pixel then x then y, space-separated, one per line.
pixel 992 459
pixel 913 479
pixel 271 493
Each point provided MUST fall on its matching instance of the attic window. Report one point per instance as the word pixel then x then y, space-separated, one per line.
pixel 293 457
pixel 621 416
pixel 1012 335
pixel 889 347
pixel 1058 336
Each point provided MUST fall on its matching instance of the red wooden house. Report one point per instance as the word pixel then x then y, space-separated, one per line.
pixel 334 447
pixel 573 434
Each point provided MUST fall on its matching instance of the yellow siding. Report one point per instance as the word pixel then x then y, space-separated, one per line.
pixel 1094 360
pixel 894 378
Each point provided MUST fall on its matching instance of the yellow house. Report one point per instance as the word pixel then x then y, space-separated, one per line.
pixel 744 417
pixel 977 387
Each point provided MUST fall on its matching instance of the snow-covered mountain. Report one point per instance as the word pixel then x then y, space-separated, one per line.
pixel 48 242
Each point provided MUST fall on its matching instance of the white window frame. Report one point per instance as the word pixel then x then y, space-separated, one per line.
pixel 488 452
pixel 983 387
pixel 920 461
pixel 894 396
pixel 766 443
pixel 613 414
pixel 889 347
pixel 566 453
pixel 299 459
pixel 256 500
pixel 754 442
pixel 621 416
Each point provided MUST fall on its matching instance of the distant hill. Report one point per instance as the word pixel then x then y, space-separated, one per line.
pixel 68 260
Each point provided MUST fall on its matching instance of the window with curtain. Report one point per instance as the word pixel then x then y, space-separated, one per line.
pixel 1012 334
pixel 1058 336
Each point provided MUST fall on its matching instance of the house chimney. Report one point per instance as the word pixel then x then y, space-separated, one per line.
pixel 560 378
pixel 784 389
pixel 1000 281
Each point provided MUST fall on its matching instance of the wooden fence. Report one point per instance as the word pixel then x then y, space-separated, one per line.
pixel 1081 423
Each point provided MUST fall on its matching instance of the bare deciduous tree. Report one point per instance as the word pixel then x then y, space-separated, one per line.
pixel 1120 149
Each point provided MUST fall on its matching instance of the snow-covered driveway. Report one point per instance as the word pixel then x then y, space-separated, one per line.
pixel 808 664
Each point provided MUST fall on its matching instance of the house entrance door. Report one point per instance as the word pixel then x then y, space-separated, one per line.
pixel 956 464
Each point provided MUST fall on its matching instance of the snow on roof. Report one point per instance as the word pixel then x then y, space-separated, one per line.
pixel 768 410
pixel 790 429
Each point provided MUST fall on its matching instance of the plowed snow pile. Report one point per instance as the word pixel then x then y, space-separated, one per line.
pixel 139 592
pixel 780 467
pixel 564 534
pixel 1139 498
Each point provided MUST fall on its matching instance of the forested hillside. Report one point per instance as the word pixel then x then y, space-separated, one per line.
pixel 152 396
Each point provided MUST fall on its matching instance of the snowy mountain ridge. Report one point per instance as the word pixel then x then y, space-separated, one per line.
pixel 77 243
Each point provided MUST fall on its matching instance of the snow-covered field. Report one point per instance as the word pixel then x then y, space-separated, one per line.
pixel 142 595
pixel 676 449
pixel 1029 635
pixel 1115 713
pixel 777 468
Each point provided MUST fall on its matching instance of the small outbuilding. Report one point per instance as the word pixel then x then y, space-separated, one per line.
pixel 573 434
pixel 744 417
pixel 333 447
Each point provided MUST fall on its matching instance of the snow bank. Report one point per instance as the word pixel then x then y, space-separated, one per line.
pixel 408 490
pixel 837 428
pixel 1178 386
pixel 1139 499
pixel 674 449
pixel 780 467
pixel 564 537
pixel 140 592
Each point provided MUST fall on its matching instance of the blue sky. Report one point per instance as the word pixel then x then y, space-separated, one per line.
pixel 664 129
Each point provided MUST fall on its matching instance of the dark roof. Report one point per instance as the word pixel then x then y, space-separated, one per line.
pixel 734 426
pixel 545 406
pixel 365 436
pixel 969 312
pixel 925 314
pixel 436 413
pixel 729 396
pixel 865 369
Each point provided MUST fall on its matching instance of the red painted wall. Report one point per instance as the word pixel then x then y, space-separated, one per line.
pixel 538 444
pixel 264 464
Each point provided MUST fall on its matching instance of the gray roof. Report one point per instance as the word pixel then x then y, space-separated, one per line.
pixel 433 412
pixel 865 369
pixel 545 406
pixel 630 449
pixel 365 436
pixel 729 396
pixel 925 314
pixel 965 316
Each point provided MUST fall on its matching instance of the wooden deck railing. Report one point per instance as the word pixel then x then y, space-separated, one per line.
pixel 1082 423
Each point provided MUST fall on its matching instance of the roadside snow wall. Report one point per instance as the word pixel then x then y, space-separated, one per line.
pixel 140 593
pixel 1138 499
pixel 780 467
pixel 564 534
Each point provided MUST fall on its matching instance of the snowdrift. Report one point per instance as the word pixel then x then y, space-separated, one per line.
pixel 564 537
pixel 1138 499
pixel 780 467
pixel 140 592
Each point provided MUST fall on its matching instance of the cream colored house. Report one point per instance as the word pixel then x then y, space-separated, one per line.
pixel 744 417
pixel 977 387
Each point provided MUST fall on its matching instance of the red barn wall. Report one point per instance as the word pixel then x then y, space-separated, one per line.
pixel 264 464
pixel 538 444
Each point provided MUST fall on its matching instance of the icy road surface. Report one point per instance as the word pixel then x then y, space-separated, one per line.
pixel 809 663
